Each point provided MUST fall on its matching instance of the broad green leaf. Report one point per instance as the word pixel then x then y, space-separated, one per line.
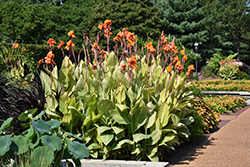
pixel 104 106
pixel 131 95
pixel 54 142
pixel 156 136
pixel 105 84
pixel 152 153
pixel 24 116
pixel 120 117
pixel 188 120
pixel 45 82
pixel 120 94
pixel 54 123
pixel 78 150
pixel 111 59
pixel 90 100
pixel 151 120
pixel 163 114
pixel 137 150
pixel 122 107
pixel 107 138
pixel 139 118
pixel 168 137
pixel 102 129
pixel 122 143
pixel 51 102
pixel 5 142
pixel 140 136
pixel 5 124
pixel 41 126
pixel 42 151
pixel 175 119
pixel 164 95
pixel 22 144
pixel 117 130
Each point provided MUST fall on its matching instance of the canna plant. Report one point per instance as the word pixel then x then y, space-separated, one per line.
pixel 124 106
pixel 17 62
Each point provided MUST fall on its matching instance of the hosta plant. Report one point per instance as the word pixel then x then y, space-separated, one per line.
pixel 42 145
pixel 124 105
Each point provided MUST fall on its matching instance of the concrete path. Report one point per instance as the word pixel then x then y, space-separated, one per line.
pixel 227 147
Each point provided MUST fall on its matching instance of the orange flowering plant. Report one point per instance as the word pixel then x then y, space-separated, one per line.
pixel 124 105
pixel 15 61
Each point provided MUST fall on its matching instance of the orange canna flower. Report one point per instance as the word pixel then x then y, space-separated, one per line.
pixel 178 66
pixel 163 39
pixel 101 26
pixel 51 42
pixel 185 57
pixel 130 37
pixel 117 38
pixel 169 68
pixel 15 46
pixel 176 59
pixel 123 67
pixel 120 34
pixel 149 45
pixel 174 49
pixel 166 48
pixel 95 45
pixel 60 45
pixel 132 62
pixel 107 23
pixel 41 61
pixel 94 67
pixel 50 55
pixel 152 50
pixel 107 32
pixel 69 45
pixel 71 34
pixel 125 29
pixel 190 68
pixel 182 52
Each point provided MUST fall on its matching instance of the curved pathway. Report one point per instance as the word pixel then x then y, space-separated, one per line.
pixel 227 147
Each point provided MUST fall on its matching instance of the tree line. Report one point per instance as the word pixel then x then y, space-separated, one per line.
pixel 217 25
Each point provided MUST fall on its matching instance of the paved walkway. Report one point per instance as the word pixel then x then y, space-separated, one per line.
pixel 227 147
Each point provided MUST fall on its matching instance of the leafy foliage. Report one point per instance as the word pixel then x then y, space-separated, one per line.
pixel 228 70
pixel 210 116
pixel 44 141
pixel 124 105
pixel 214 61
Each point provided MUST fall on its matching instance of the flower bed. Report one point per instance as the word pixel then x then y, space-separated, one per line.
pixel 221 85
pixel 225 104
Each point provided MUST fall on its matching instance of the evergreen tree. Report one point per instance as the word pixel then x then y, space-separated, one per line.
pixel 185 20
pixel 232 18
pixel 139 16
